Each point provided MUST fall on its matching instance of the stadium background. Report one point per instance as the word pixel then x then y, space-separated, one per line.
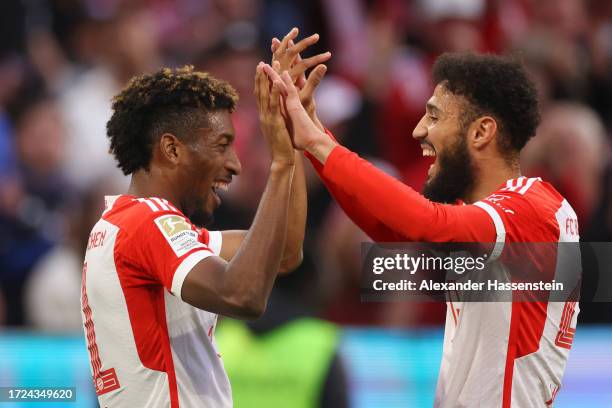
pixel 62 60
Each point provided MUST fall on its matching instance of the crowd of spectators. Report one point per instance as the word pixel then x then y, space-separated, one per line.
pixel 61 61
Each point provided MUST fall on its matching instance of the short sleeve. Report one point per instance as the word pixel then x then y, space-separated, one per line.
pixel 169 246
pixel 513 217
pixel 215 241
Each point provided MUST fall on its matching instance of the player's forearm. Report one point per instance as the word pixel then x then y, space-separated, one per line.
pixel 398 207
pixel 361 217
pixel 296 224
pixel 252 271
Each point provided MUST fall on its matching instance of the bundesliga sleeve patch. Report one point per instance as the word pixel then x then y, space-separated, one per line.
pixel 178 233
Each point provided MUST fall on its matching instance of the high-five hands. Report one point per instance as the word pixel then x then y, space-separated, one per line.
pixel 305 133
pixel 287 53
pixel 275 124
pixel 285 100
pixel 272 123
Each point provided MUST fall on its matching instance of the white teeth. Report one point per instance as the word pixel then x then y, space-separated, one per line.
pixel 221 185
pixel 428 152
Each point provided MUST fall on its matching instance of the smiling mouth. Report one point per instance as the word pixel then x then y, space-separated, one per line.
pixel 429 151
pixel 219 185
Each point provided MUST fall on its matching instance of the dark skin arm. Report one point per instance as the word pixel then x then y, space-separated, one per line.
pixel 240 288
pixel 292 252
pixel 286 56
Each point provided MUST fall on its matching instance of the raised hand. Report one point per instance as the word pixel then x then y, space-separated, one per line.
pixel 271 120
pixel 305 133
pixel 288 55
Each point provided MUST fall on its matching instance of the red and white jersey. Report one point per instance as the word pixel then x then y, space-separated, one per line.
pixel 496 354
pixel 147 347
pixel 512 354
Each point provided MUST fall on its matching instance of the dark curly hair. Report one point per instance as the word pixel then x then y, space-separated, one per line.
pixel 493 85
pixel 173 101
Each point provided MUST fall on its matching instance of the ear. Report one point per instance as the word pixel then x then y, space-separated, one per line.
pixel 170 148
pixel 482 131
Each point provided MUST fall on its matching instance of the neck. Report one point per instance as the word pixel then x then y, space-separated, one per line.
pixel 151 184
pixel 490 177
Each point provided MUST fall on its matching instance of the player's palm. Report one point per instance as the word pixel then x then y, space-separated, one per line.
pixel 303 130
pixel 272 123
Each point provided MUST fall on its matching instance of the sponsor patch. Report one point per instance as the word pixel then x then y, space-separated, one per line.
pixel 178 233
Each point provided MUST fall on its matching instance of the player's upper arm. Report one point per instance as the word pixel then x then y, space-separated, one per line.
pixel 207 286
pixel 184 259
pixel 164 247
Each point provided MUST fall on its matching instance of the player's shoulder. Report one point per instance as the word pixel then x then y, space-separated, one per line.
pixel 152 219
pixel 528 208
pixel 527 195
pixel 131 213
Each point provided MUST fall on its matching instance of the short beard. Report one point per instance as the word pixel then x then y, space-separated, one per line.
pixel 455 176
pixel 194 212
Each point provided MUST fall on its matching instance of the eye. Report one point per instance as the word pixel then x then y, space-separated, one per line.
pixel 433 118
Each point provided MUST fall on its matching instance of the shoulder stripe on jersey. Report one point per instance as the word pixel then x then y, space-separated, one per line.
pixel 518 184
pixel 148 202
pixel 185 267
pixel 529 184
pixel 160 203
pixel 499 229
pixel 109 202
pixel 173 208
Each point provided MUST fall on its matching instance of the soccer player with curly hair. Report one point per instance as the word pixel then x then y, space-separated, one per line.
pixel 154 278
pixel 482 112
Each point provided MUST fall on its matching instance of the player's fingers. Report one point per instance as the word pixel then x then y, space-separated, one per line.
pixel 275 96
pixel 259 77
pixel 291 89
pixel 303 44
pixel 285 42
pixel 271 73
pixel 294 107
pixel 314 79
pixel 264 89
pixel 276 66
pixel 275 44
pixel 301 79
pixel 307 63
pixel 273 76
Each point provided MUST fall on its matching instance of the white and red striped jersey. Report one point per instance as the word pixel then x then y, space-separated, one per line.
pixel 496 354
pixel 147 347
pixel 512 354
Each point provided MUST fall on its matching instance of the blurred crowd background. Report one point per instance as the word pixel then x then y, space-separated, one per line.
pixel 61 61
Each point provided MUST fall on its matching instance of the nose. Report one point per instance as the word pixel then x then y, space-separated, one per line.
pixel 420 130
pixel 233 163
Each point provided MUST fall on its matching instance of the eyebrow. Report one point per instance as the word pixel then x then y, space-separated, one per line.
pixel 430 106
pixel 229 136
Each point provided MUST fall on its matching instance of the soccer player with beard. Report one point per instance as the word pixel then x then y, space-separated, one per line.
pixel 154 278
pixel 482 113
